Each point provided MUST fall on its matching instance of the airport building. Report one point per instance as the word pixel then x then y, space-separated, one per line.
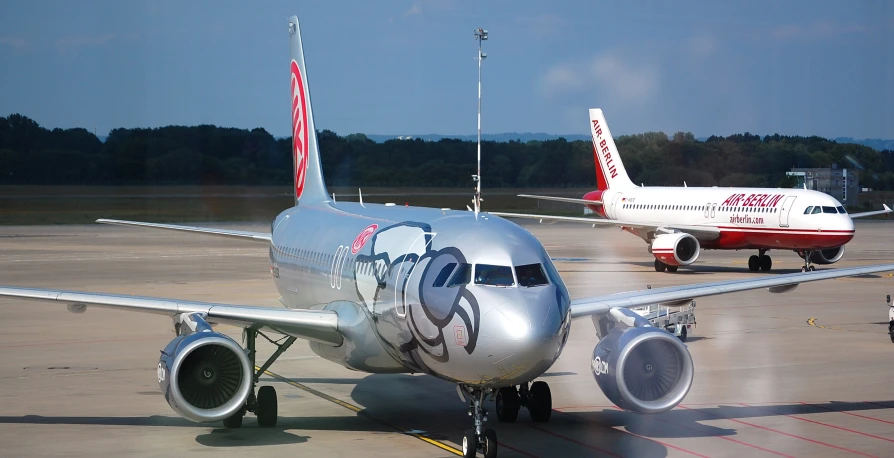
pixel 842 184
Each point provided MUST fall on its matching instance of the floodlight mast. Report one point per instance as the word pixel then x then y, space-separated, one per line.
pixel 480 35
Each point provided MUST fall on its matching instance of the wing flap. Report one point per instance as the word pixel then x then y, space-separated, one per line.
pixel 258 236
pixel 778 283
pixel 316 325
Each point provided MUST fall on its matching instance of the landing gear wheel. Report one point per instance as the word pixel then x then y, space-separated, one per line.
pixel 891 331
pixel 470 444
pixel 766 263
pixel 804 269
pixel 508 403
pixel 267 409
pixel 489 446
pixel 672 269
pixel 234 421
pixel 540 402
pixel 754 263
pixel 660 266
pixel 683 333
pixel 811 268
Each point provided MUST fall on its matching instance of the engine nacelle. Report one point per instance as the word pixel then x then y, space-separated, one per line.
pixel 642 369
pixel 204 376
pixel 827 256
pixel 677 249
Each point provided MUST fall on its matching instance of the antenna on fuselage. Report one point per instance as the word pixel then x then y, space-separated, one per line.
pixel 333 198
pixel 360 193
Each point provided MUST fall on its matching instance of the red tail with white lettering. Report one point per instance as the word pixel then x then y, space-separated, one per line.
pixel 610 172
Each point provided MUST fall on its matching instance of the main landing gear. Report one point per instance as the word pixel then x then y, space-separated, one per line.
pixel 264 403
pixel 509 401
pixel 760 262
pixel 661 267
pixel 537 399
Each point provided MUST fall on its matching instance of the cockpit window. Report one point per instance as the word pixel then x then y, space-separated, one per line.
pixel 829 210
pixel 842 210
pixel 531 275
pixel 444 275
pixel 817 210
pixel 462 276
pixel 808 210
pixel 486 274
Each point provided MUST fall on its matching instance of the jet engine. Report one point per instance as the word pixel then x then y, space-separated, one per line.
pixel 642 369
pixel 677 249
pixel 204 376
pixel 827 256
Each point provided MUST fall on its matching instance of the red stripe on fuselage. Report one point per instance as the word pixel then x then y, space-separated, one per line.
pixel 790 239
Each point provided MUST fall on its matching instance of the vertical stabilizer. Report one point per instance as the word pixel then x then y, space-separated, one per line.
pixel 309 184
pixel 610 172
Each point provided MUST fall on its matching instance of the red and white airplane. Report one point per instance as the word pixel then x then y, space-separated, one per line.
pixel 678 223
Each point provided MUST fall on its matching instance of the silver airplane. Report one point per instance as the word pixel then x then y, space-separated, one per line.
pixel 463 296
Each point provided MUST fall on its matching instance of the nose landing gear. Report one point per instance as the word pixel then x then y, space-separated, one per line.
pixel 478 438
pixel 807 254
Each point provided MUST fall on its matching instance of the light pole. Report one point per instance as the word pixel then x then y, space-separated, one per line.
pixel 480 35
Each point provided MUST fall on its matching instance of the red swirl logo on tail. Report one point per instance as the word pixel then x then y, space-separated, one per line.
pixel 299 129
pixel 363 237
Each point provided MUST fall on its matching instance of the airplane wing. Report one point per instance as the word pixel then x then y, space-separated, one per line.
pixel 674 294
pixel 316 325
pixel 872 213
pixel 258 236
pixel 702 233
pixel 563 199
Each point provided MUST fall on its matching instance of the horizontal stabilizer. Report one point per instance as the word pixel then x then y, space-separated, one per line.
pixel 563 199
pixel 259 236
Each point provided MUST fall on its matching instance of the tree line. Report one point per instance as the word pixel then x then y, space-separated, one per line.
pixel 210 155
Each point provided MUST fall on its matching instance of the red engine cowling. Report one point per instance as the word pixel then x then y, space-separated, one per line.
pixel 678 249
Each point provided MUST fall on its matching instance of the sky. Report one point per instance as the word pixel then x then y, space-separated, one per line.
pixel 407 67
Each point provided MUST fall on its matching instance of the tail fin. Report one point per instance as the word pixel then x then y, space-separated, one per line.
pixel 610 172
pixel 309 183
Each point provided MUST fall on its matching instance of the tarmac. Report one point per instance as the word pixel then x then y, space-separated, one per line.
pixel 797 374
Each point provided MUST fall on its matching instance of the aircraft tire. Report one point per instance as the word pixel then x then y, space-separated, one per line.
pixel 766 263
pixel 234 421
pixel 489 447
pixel 267 408
pixel 660 266
pixel 470 444
pixel 672 269
pixel 507 404
pixel 540 402
pixel 754 263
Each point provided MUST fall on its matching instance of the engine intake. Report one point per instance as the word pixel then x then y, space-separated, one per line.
pixel 677 249
pixel 827 256
pixel 643 369
pixel 204 376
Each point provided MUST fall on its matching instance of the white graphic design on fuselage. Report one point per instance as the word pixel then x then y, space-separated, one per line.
pixel 403 284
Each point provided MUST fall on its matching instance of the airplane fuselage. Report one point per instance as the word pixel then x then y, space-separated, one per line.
pixel 748 218
pixel 428 290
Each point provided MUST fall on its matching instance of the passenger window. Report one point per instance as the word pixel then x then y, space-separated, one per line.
pixel 444 275
pixel 531 275
pixel 462 276
pixel 842 210
pixel 829 210
pixel 486 274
